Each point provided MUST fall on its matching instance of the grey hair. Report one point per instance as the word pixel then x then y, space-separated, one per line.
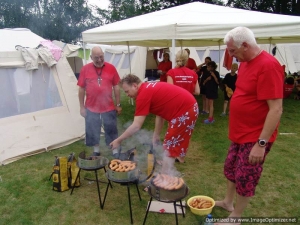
pixel 130 79
pixel 240 35
pixel 181 57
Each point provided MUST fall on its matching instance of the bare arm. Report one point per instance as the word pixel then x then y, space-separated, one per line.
pixel 81 96
pixel 133 128
pixel 197 89
pixel 169 79
pixel 159 123
pixel 271 122
pixel 116 89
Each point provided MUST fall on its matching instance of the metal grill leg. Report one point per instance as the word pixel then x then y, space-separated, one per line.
pixel 128 190
pixel 147 211
pixel 99 195
pixel 175 213
pixel 182 209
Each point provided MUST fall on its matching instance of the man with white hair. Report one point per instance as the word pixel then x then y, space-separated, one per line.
pixel 255 112
pixel 97 81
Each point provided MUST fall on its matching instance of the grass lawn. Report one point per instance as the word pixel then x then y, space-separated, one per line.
pixel 27 197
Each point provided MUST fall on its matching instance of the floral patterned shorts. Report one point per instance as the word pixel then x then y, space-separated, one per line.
pixel 238 170
pixel 179 133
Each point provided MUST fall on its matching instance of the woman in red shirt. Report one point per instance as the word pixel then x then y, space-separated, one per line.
pixel 164 66
pixel 182 76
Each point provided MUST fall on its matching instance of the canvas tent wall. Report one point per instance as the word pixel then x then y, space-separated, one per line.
pixel 294 49
pixel 39 109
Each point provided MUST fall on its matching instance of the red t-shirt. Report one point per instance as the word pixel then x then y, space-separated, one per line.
pixel 164 67
pixel 258 80
pixel 163 99
pixel 184 77
pixel 191 64
pixel 98 98
pixel 288 89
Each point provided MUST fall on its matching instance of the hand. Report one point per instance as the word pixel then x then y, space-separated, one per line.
pixel 118 109
pixel 83 112
pixel 115 144
pixel 257 154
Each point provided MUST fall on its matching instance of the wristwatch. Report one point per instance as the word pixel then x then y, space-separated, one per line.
pixel 262 142
pixel 118 105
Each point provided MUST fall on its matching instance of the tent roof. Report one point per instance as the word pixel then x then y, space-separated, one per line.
pixel 195 24
pixel 18 36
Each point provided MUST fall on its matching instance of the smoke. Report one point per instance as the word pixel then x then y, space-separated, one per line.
pixel 142 140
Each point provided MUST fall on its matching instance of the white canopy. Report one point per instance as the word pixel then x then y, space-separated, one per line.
pixel 195 24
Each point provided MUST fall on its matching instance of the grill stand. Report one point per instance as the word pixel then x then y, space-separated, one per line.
pixel 127 183
pixel 97 181
pixel 171 201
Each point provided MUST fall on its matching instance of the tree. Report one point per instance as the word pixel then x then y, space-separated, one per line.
pixel 287 7
pixel 51 19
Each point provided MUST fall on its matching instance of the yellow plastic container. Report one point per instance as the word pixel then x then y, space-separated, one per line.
pixel 201 212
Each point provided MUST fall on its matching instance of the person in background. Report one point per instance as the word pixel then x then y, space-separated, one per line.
pixel 164 66
pixel 202 75
pixel 168 102
pixel 96 82
pixel 229 86
pixel 255 111
pixel 288 87
pixel 183 76
pixel 211 85
pixel 297 85
pixel 190 63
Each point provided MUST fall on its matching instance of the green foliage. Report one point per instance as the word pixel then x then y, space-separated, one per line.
pixel 288 7
pixel 51 19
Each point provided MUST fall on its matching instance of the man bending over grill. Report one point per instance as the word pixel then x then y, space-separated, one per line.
pixel 168 102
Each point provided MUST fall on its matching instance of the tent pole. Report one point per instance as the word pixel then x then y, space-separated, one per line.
pixel 84 53
pixel 173 55
pixel 219 58
pixel 129 57
pixel 130 99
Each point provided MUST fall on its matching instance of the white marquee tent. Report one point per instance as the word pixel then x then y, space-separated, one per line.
pixel 195 24
pixel 39 109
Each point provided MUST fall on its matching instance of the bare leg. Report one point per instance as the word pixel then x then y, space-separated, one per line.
pixel 241 204
pixel 225 106
pixel 211 108
pixel 227 202
pixel 204 107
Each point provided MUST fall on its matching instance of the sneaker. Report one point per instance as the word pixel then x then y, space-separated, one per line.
pixel 96 154
pixel 204 113
pixel 207 121
pixel 223 114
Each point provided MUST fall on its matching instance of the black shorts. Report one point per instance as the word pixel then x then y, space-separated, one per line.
pixel 226 98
